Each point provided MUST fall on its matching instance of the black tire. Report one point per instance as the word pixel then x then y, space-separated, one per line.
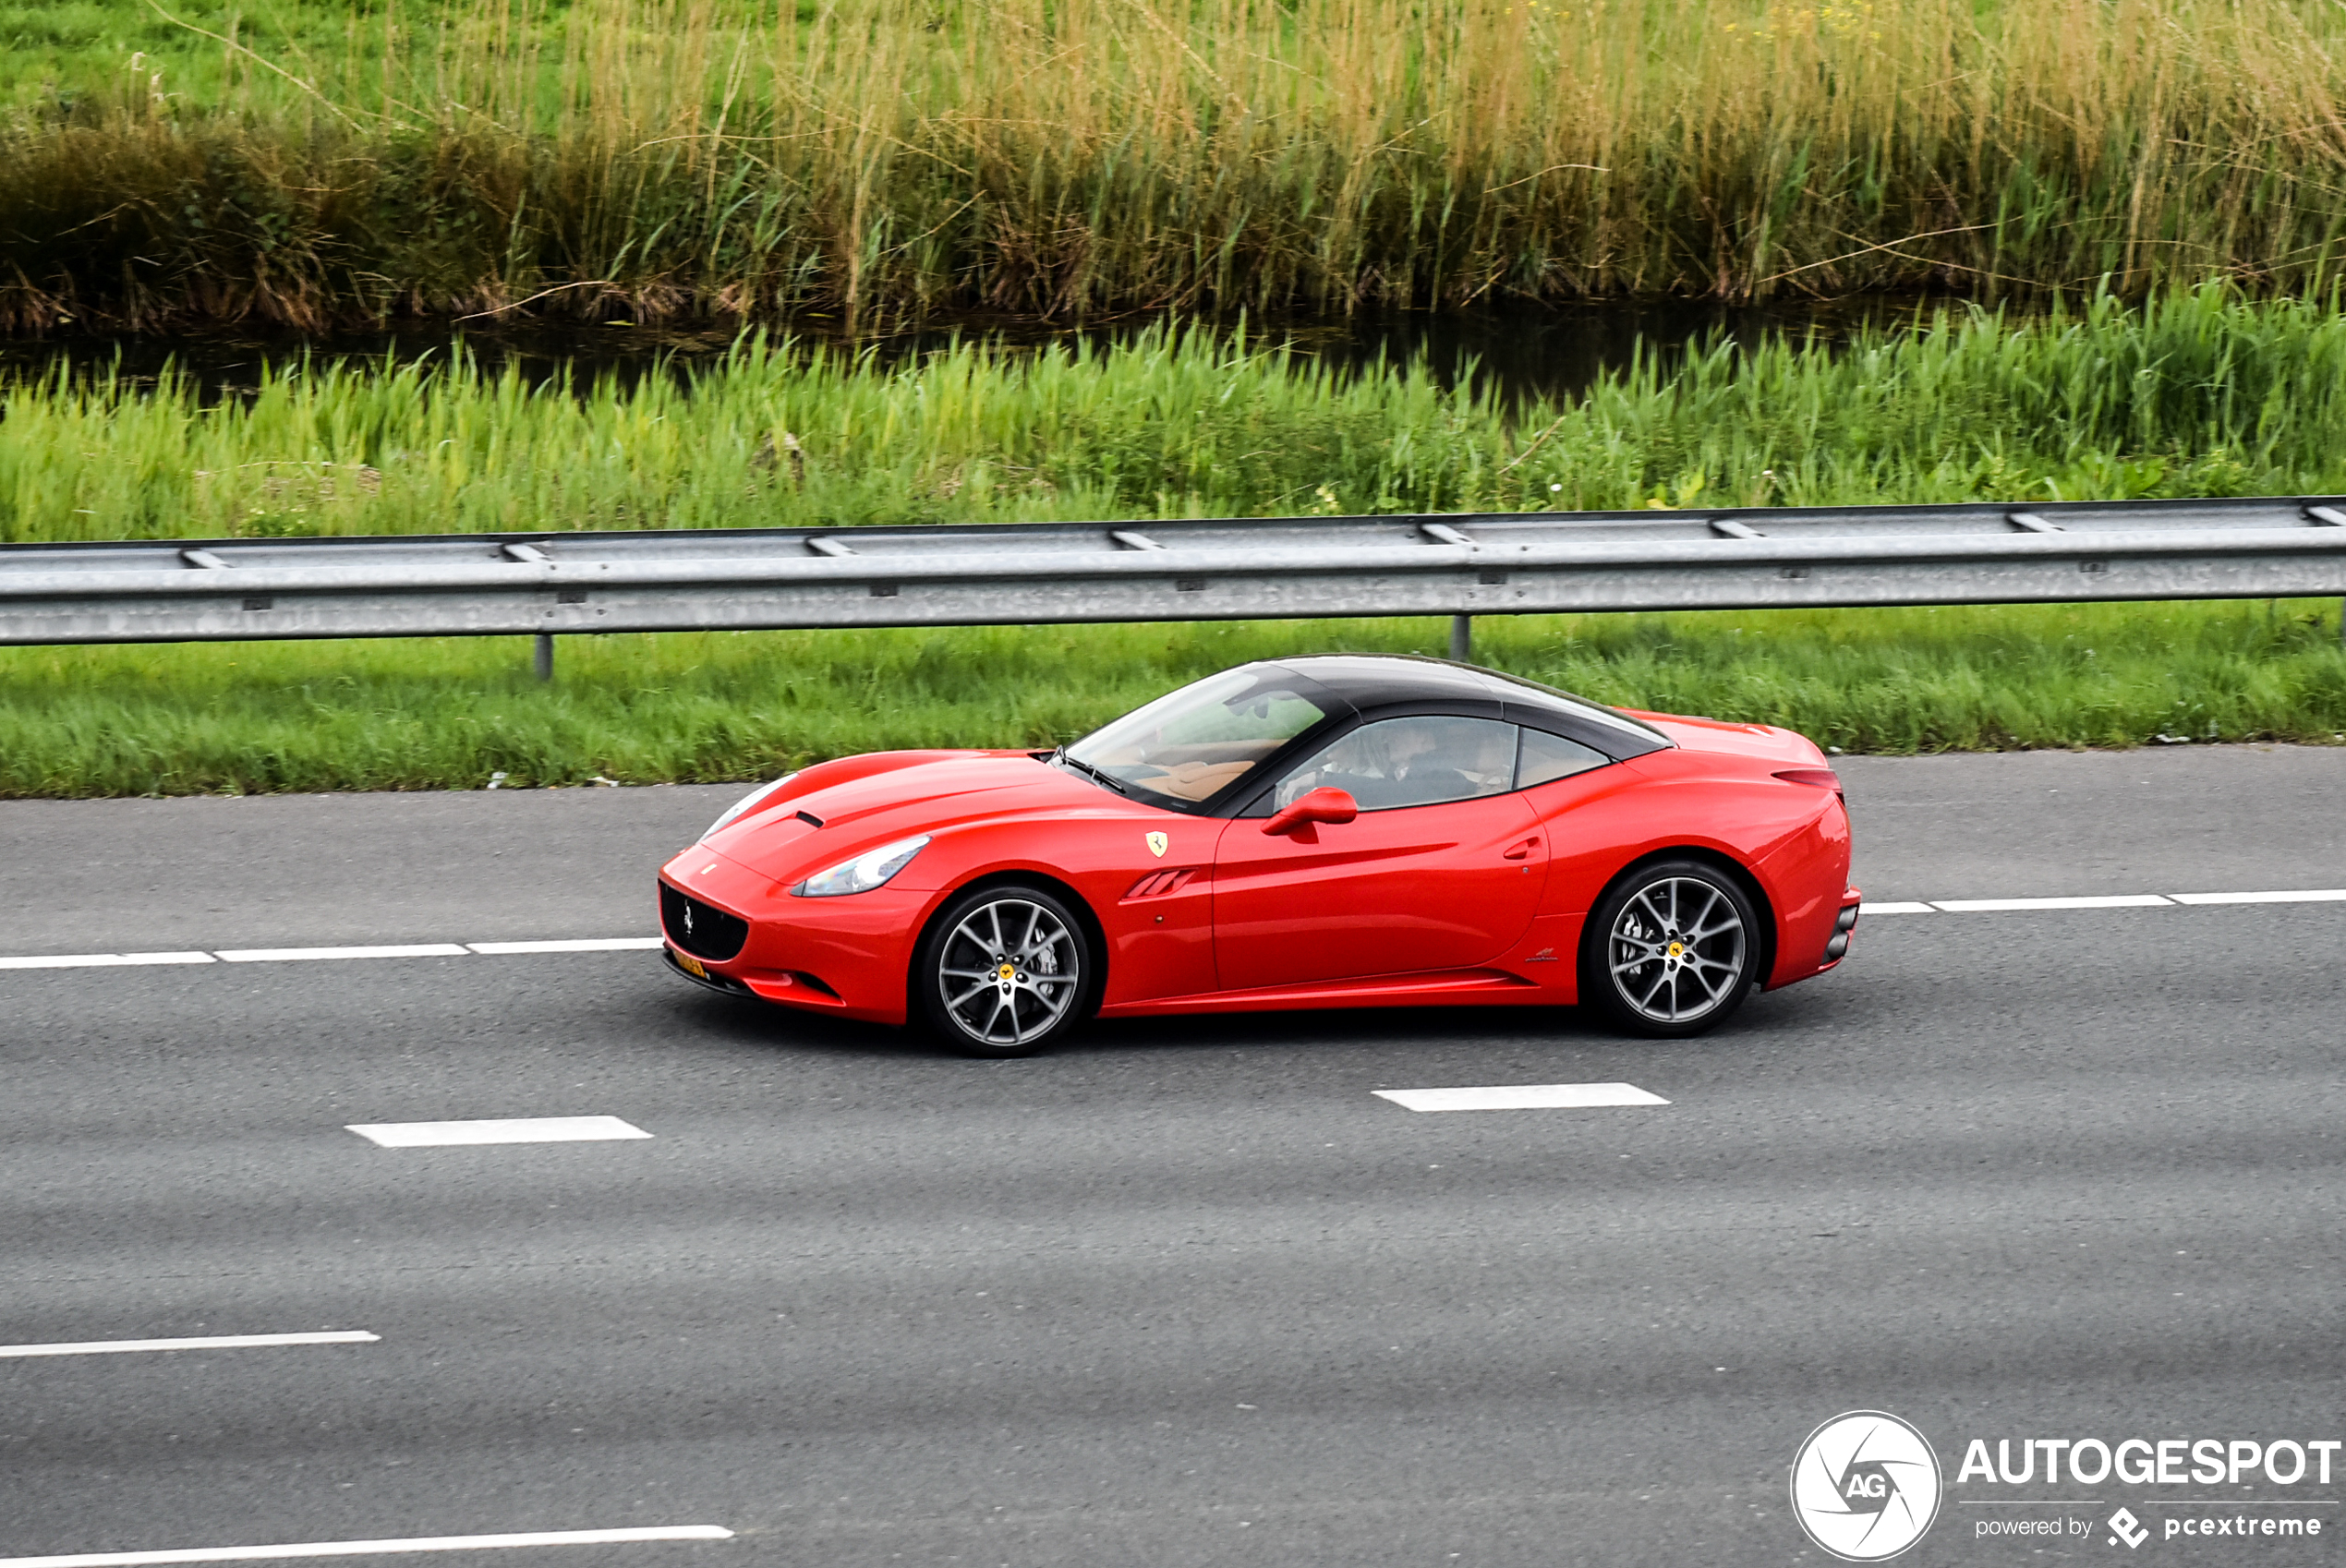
pixel 1671 949
pixel 1005 970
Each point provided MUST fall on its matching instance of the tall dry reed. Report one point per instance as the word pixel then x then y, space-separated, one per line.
pixel 671 159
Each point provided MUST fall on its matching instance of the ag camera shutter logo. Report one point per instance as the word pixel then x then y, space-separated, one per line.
pixel 1865 1486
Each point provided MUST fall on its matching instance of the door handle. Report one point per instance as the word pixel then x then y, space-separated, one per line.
pixel 1521 850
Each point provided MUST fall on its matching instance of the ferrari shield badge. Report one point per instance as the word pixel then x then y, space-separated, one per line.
pixel 1157 842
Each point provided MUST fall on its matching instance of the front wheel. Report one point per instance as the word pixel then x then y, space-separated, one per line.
pixel 1004 971
pixel 1671 949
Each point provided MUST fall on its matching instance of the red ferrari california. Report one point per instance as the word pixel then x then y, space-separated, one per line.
pixel 1344 831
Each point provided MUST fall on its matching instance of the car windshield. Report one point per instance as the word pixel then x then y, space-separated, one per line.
pixel 1189 745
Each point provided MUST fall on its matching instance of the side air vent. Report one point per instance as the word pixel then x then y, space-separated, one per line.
pixel 1156 884
pixel 702 929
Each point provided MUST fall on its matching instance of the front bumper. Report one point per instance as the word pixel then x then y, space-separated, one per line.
pixel 848 956
pixel 686 967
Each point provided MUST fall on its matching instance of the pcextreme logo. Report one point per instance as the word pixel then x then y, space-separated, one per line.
pixel 1865 1486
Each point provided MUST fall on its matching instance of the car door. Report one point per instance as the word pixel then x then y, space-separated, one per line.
pixel 1442 869
pixel 1584 800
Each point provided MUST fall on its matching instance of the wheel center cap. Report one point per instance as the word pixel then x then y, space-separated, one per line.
pixel 1677 949
pixel 1006 973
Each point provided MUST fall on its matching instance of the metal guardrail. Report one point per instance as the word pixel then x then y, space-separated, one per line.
pixel 1457 564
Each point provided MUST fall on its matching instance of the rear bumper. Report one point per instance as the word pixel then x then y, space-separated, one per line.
pixel 1807 879
pixel 1835 945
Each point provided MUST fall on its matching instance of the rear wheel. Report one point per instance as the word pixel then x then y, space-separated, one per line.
pixel 1004 971
pixel 1671 949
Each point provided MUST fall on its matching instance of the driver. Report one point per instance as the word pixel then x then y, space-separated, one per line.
pixel 1399 763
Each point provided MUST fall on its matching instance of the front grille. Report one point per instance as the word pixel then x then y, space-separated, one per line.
pixel 702 929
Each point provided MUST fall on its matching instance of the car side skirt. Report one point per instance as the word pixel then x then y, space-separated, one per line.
pixel 1440 988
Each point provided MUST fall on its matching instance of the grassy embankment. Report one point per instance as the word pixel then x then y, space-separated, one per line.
pixel 316 161
pixel 2198 394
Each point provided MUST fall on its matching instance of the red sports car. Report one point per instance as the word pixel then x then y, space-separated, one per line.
pixel 1344 831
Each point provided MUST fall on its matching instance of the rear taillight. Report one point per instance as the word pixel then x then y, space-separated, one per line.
pixel 1822 778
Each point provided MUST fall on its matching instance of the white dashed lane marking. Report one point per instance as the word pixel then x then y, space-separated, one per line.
pixel 2012 906
pixel 1522 1097
pixel 506 1129
pixel 2107 902
pixel 213 1341
pixel 302 955
pixel 362 1549
pixel 2307 896
pixel 106 960
pixel 296 955
pixel 580 944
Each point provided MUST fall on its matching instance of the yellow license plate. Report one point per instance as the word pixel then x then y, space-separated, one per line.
pixel 691 966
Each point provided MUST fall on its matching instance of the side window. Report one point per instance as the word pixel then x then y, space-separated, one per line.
pixel 1422 761
pixel 1546 759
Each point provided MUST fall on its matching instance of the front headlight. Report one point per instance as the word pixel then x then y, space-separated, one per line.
pixel 744 805
pixel 863 872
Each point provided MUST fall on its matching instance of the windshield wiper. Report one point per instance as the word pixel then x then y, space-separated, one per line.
pixel 1089 771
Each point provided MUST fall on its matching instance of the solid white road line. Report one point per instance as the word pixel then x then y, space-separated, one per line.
pixel 508 1129
pixel 291 955
pixel 296 955
pixel 1521 1097
pixel 2000 906
pixel 360 1548
pixel 106 960
pixel 583 945
pixel 649 944
pixel 2306 896
pixel 213 1342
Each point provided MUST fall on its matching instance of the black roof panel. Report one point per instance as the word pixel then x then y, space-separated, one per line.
pixel 1374 680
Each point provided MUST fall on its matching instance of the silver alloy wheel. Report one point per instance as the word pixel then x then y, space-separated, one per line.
pixel 1677 949
pixel 1009 972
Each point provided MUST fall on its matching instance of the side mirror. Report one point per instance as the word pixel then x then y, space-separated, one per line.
pixel 1319 805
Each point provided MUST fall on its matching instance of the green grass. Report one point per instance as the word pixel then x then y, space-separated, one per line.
pixel 2205 392
pixel 2197 393
pixel 315 161
pixel 446 713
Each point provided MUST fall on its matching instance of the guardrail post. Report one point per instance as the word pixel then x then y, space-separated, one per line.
pixel 544 655
pixel 1462 638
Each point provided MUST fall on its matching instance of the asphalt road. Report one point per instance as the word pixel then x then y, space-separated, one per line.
pixel 1181 1293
